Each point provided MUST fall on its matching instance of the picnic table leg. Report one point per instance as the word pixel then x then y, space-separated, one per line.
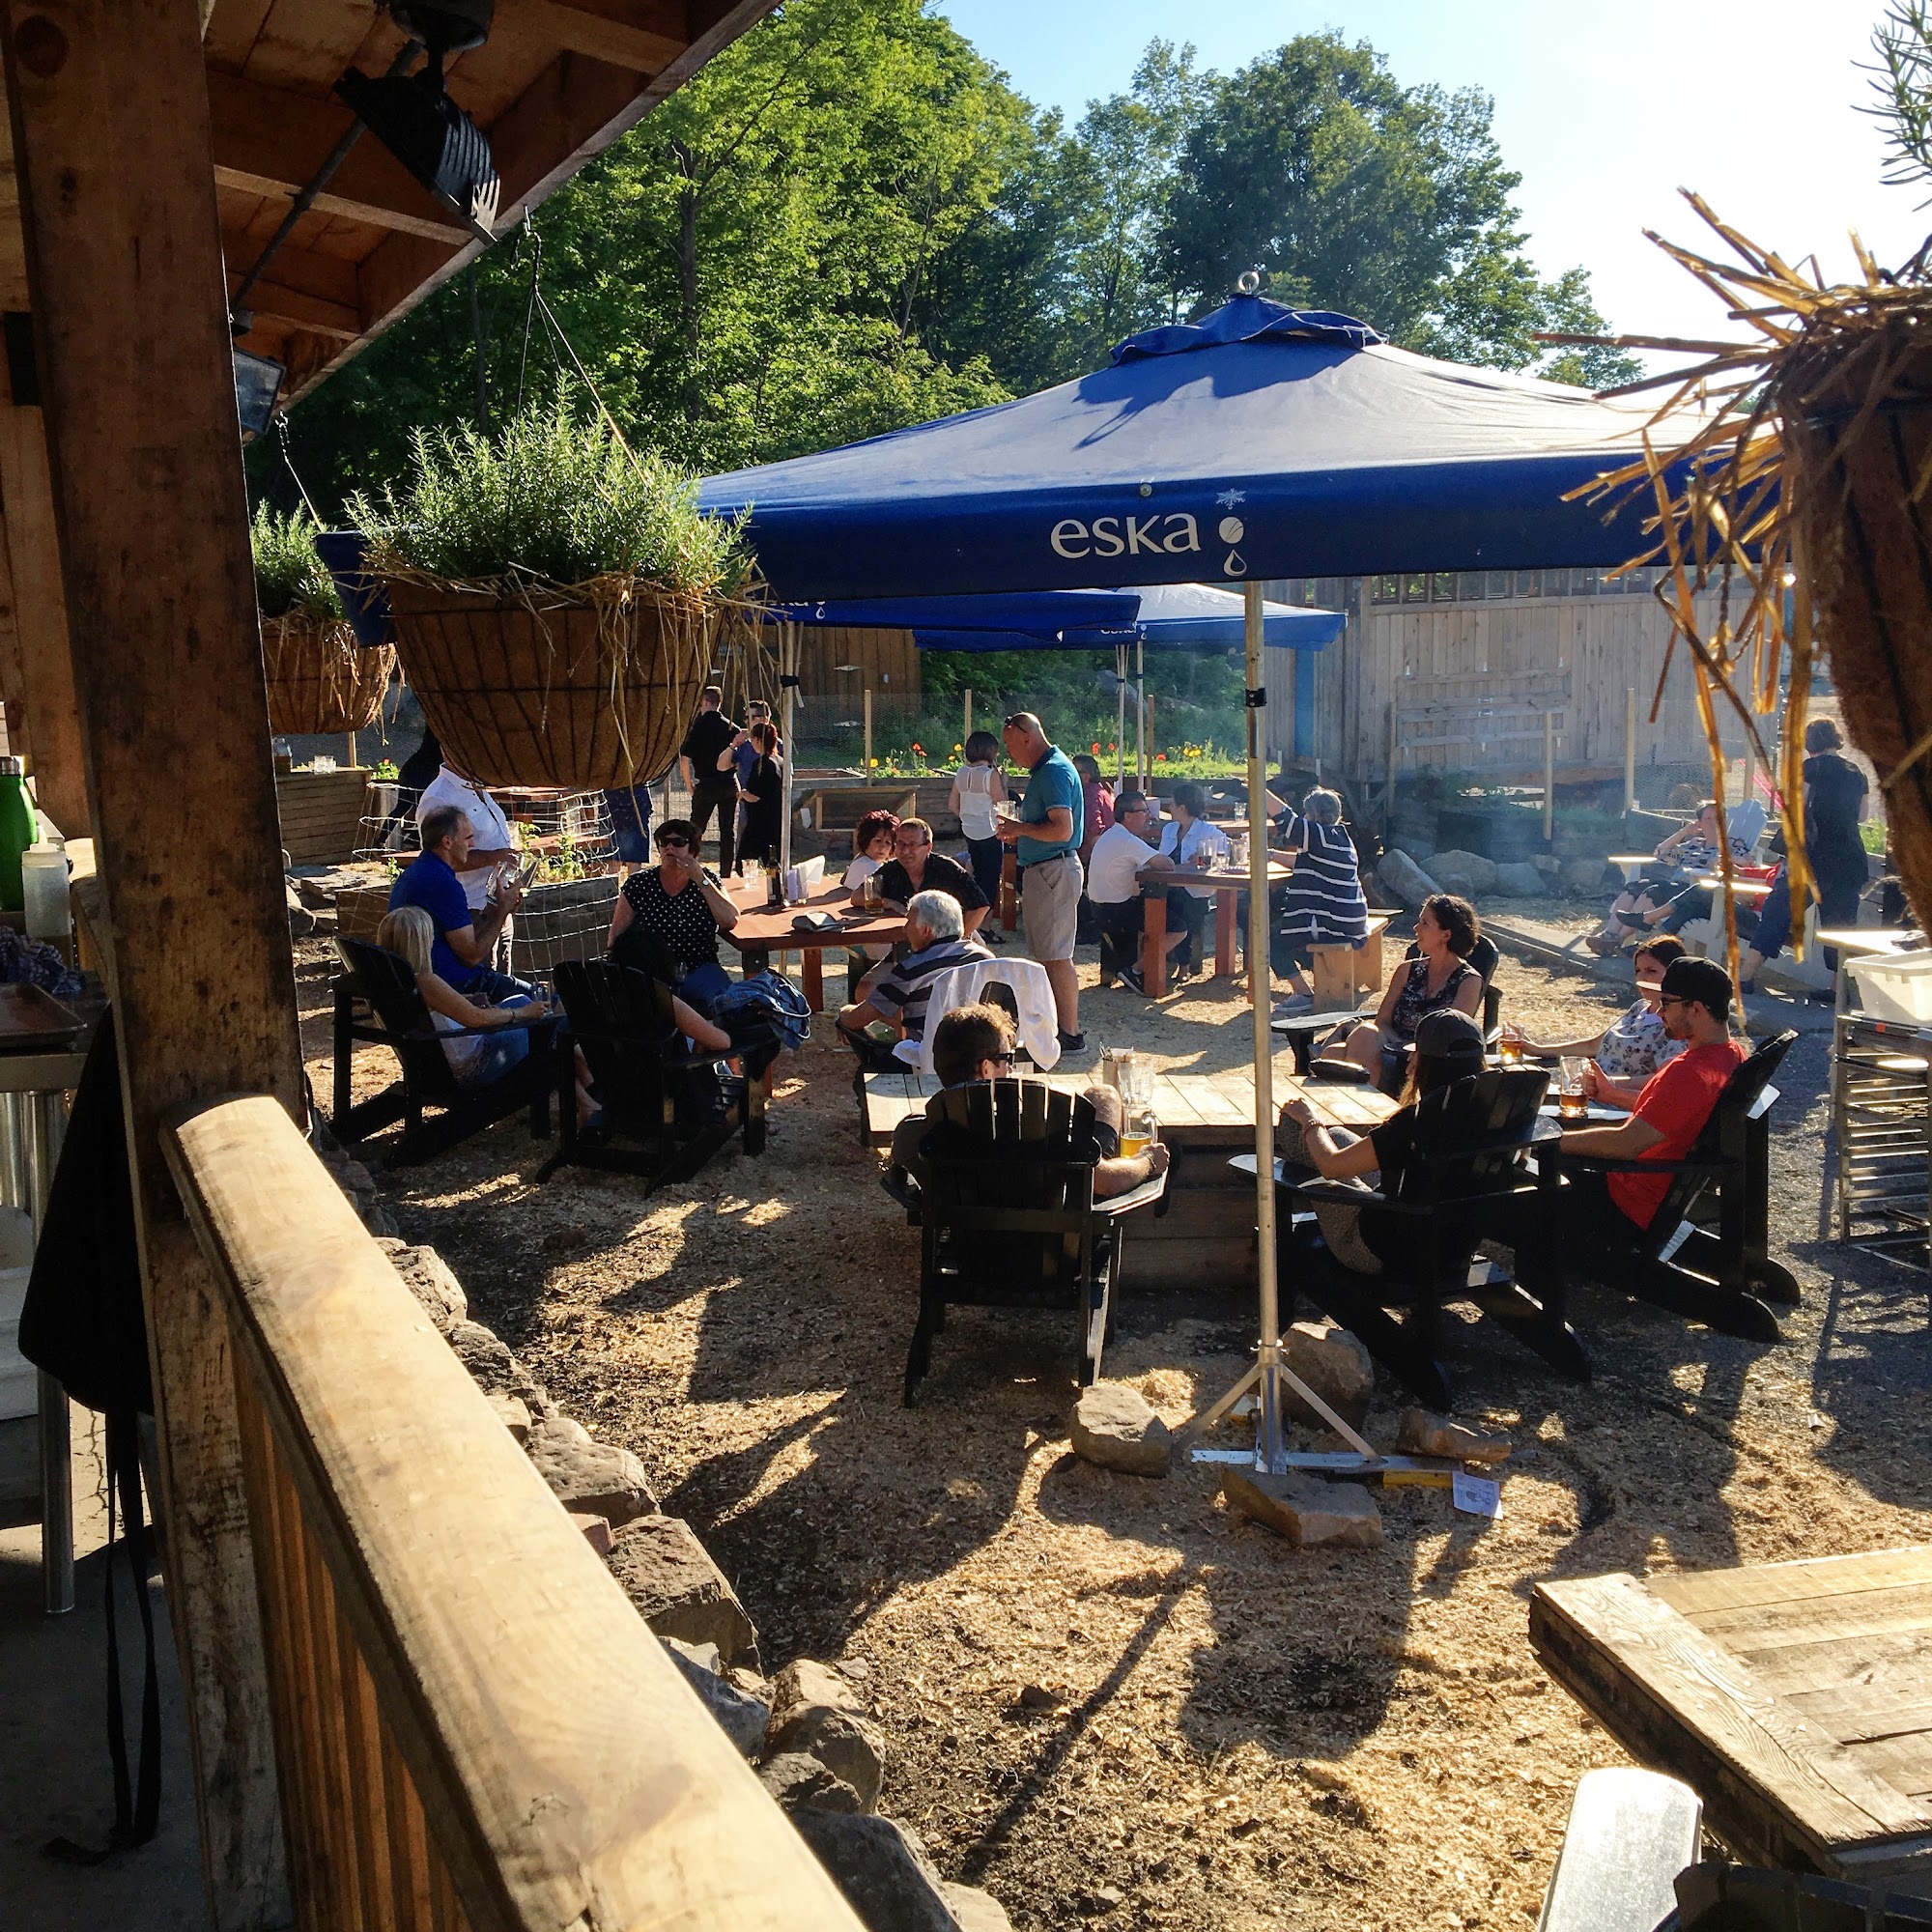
pixel 812 977
pixel 1224 934
pixel 1009 889
pixel 1153 945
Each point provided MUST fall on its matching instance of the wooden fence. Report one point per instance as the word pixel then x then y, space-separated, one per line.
pixel 473 1728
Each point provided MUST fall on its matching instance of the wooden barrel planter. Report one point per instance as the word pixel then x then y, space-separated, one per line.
pixel 587 688
pixel 320 678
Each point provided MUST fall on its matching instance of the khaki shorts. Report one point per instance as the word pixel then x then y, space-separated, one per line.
pixel 1050 904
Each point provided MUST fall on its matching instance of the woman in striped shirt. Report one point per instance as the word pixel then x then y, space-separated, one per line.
pixel 1324 904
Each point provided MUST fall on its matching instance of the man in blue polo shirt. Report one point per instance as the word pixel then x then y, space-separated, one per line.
pixel 464 938
pixel 1046 842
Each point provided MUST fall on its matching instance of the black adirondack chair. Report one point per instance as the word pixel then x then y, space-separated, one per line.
pixel 1008 1216
pixel 675 1102
pixel 1468 1180
pixel 377 1000
pixel 1706 1253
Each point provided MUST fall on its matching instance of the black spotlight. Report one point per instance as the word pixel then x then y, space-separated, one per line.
pixel 258 384
pixel 415 118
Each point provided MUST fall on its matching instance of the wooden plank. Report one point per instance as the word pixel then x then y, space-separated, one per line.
pixel 1895 1665
pixel 1754 1629
pixel 1860 1713
pixel 1775 1782
pixel 1905 1762
pixel 587 1781
pixel 125 265
pixel 1696 1590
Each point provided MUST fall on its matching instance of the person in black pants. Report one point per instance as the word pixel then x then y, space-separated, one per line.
pixel 711 735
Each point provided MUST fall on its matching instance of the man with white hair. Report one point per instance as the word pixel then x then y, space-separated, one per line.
pixel 893 996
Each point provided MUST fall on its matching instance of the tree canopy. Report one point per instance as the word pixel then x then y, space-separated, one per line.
pixel 849 222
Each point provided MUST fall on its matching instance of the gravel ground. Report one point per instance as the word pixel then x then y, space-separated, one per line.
pixel 1237 1734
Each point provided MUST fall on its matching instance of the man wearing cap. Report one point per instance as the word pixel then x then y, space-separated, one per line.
pixel 1046 841
pixel 1676 1100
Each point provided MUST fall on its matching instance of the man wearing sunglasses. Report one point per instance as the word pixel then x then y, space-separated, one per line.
pixel 1695 1002
pixel 1046 841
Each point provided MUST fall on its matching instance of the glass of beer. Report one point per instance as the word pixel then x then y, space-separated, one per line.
pixel 872 895
pixel 1572 1103
pixel 1139 1130
pixel 1508 1047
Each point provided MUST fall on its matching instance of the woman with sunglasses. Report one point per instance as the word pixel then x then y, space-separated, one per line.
pixel 675 910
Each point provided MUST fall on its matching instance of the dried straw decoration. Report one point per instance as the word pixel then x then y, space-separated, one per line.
pixel 1802 497
pixel 320 678
pixel 585 687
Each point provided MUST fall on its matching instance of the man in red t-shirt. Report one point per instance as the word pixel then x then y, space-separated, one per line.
pixel 1696 1000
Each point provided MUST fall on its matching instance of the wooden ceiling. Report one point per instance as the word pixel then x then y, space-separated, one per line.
pixel 553 85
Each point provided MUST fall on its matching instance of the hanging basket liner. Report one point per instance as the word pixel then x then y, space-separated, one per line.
pixel 585 687
pixel 320 678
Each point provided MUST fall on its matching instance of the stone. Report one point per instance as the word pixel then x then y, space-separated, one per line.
pixel 802 1683
pixel 1335 1365
pixel 742 1717
pixel 843 1742
pixel 977 1910
pixel 1468 875
pixel 1426 1433
pixel 596 1478
pixel 797 1781
pixel 379 1221
pixel 1521 879
pixel 1116 1426
pixel 882 1869
pixel 594 1529
pixel 301 919
pixel 1304 1509
pixel 428 1277
pixel 1401 879
pixel 1588 877
pixel 493 1368
pixel 677 1590
pixel 514 1414
pixel 1547 863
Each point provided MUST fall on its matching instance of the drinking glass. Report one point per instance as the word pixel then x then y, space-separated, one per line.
pixel 870 894
pixel 1572 1103
pixel 1139 1132
pixel 1508 1047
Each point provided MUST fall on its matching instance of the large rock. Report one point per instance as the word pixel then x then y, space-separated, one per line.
pixel 1399 878
pixel 589 1477
pixel 428 1277
pixel 1304 1509
pixel 817 1712
pixel 800 1782
pixel 1426 1433
pixel 301 918
pixel 1116 1426
pixel 804 1684
pixel 1468 875
pixel 494 1369
pixel 743 1718
pixel 977 1910
pixel 1588 877
pixel 677 1590
pixel 1521 879
pixel 883 1870
pixel 1335 1365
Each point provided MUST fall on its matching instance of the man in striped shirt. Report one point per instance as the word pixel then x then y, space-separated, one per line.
pixel 892 998
pixel 1324 904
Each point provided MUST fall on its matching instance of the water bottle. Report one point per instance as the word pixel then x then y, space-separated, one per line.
pixel 43 876
pixel 17 829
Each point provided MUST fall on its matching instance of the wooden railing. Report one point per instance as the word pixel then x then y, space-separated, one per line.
pixel 472 1726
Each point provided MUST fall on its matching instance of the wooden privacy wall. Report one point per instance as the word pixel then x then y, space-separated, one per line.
pixel 1470 682
pixel 887 660
pixel 472 1726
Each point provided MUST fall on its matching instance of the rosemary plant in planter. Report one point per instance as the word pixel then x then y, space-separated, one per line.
pixel 553 597
pixel 320 678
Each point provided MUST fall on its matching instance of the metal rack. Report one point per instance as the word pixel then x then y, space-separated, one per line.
pixel 1881 1106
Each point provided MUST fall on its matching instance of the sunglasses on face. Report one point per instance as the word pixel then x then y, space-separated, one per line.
pixel 675 844
pixel 1000 1059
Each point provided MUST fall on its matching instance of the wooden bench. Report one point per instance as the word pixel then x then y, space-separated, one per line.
pixel 1342 975
pixel 838 809
pixel 1793 1697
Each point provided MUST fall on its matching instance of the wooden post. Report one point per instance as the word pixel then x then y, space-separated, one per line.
pixel 966 723
pixel 869 735
pixel 1150 737
pixel 111 144
pixel 1288 722
pixel 1548 776
pixel 1388 793
pixel 1630 749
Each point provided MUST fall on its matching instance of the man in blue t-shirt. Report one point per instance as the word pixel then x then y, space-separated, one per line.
pixel 463 940
pixel 1046 842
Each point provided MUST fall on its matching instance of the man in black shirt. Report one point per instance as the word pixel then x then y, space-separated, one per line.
pixel 710 737
pixel 916 868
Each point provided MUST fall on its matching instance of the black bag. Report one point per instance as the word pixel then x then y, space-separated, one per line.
pixel 83 1324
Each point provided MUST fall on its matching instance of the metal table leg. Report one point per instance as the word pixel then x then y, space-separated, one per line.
pixel 45 1123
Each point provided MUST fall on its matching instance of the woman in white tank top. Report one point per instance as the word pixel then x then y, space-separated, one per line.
pixel 978 788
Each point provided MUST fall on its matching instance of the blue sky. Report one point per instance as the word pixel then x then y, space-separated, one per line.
pixel 1606 111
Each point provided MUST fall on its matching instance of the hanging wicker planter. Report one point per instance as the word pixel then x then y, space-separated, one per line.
pixel 584 687
pixel 320 678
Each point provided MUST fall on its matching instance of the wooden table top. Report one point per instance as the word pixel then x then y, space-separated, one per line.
pixel 1795 1697
pixel 772 925
pixel 1222 878
pixel 1340 1103
pixel 1869 938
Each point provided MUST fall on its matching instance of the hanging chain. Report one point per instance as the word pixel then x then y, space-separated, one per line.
pixel 282 437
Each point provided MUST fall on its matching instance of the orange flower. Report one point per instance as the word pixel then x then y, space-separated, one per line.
pixel 1160 758
pixel 1096 747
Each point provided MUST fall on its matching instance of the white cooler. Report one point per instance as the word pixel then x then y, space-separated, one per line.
pixel 1895 986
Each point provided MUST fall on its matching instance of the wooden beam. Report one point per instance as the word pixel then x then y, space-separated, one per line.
pixel 576 30
pixel 270 140
pixel 111 141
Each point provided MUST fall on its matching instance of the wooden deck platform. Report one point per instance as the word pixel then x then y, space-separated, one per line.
pixel 1796 1698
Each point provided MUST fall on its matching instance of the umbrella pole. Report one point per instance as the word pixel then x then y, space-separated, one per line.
pixel 1120 717
pixel 787 684
pixel 1272 1376
pixel 1140 712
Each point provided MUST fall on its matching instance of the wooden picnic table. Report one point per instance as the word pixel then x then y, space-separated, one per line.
pixel 764 930
pixel 1795 1697
pixel 1340 1103
pixel 1227 884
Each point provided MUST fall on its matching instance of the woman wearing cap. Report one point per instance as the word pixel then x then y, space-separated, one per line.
pixel 1448 1047
pixel 1634 1045
pixel 1438 980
